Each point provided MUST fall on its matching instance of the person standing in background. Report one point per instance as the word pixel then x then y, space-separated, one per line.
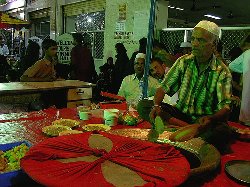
pixel 83 67
pixel 237 77
pixel 4 50
pixel 121 67
pixel 4 66
pixel 31 56
pixel 142 49
pixel 242 65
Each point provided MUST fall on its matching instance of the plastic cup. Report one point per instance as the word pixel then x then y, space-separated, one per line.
pixel 84 115
pixel 110 112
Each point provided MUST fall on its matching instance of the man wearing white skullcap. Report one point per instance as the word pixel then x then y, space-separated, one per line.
pixel 210 27
pixel 131 88
pixel 204 86
pixel 140 55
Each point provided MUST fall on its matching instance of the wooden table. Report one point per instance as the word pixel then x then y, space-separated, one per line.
pixel 23 92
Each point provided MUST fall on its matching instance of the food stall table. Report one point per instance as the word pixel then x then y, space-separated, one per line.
pixel 68 92
pixel 27 126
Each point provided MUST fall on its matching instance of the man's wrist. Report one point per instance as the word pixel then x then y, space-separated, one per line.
pixel 156 105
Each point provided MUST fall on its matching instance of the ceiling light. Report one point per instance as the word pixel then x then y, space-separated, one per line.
pixel 89 20
pixel 179 8
pixel 173 7
pixel 211 16
pixel 170 6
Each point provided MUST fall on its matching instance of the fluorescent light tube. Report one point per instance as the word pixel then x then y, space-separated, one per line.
pixel 211 16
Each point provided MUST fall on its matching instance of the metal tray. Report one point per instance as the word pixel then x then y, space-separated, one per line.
pixel 239 170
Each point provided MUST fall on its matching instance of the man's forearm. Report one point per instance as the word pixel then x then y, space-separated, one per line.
pixel 159 96
pixel 25 78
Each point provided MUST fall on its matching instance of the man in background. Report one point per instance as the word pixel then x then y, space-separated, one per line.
pixel 4 66
pixel 131 88
pixel 43 70
pixel 4 50
pixel 83 66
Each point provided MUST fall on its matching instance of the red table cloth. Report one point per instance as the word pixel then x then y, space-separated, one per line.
pixel 27 126
pixel 158 165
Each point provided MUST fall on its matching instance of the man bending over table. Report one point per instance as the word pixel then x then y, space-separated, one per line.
pixel 203 83
pixel 158 69
pixel 43 70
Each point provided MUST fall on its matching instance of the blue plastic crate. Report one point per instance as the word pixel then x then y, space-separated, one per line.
pixel 16 177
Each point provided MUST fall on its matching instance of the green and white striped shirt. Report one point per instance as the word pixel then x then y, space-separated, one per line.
pixel 200 93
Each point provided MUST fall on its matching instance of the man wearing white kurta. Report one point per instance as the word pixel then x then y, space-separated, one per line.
pixel 130 87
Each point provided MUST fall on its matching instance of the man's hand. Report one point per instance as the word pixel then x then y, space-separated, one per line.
pixel 153 135
pixel 159 95
pixel 236 100
pixel 205 121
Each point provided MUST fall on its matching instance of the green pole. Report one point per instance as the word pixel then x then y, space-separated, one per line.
pixel 149 48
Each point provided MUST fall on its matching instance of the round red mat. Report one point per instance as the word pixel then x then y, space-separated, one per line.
pixel 157 164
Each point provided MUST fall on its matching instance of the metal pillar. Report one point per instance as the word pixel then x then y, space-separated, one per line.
pixel 149 48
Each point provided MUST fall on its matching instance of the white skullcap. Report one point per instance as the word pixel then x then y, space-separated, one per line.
pixel 185 44
pixel 209 26
pixel 140 55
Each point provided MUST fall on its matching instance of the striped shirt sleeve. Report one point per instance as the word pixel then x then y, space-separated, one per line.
pixel 171 81
pixel 224 90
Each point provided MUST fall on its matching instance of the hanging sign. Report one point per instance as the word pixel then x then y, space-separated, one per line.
pixel 122 12
pixel 65 45
pixel 120 27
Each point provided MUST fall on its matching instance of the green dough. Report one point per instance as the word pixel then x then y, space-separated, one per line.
pixel 159 125
pixel 183 133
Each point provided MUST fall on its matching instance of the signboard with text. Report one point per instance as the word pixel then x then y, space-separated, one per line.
pixel 65 45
